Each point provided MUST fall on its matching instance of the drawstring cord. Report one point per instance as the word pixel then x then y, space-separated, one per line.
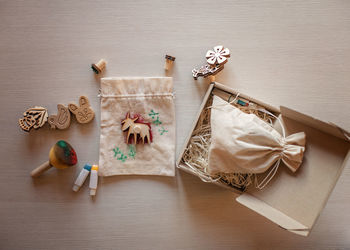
pixel 274 169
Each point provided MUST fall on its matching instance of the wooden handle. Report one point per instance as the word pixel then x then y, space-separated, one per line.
pixel 41 169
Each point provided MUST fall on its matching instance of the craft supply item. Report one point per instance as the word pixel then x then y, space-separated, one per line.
pixel 82 177
pixel 169 60
pixel 206 70
pixel 138 128
pixel 83 113
pixel 98 67
pixel 62 119
pixel 93 180
pixel 62 155
pixel 217 56
pixel 33 118
pixel 242 103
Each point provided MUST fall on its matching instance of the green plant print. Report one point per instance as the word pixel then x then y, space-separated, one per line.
pixel 162 131
pixel 153 114
pixel 157 121
pixel 116 151
pixel 122 157
pixel 132 151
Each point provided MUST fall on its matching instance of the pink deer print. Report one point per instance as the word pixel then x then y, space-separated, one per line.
pixel 136 127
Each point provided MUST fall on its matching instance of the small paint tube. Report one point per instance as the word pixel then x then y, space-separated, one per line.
pixel 81 177
pixel 93 180
pixel 242 103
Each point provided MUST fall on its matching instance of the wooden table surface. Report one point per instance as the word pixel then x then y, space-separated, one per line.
pixel 291 53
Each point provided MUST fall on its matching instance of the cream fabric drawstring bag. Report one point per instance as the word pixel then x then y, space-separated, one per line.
pixel 153 100
pixel 243 143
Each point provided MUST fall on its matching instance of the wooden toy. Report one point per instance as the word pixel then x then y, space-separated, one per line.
pixel 136 127
pixel 99 67
pixel 62 119
pixel 217 56
pixel 93 180
pixel 83 112
pixel 61 156
pixel 169 60
pixel 206 70
pixel 33 118
pixel 215 63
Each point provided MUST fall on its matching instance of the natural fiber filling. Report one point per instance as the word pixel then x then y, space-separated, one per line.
pixel 196 154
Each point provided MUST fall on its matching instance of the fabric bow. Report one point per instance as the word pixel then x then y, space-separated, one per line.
pixel 293 150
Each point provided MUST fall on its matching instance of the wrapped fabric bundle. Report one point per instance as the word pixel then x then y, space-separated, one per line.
pixel 243 143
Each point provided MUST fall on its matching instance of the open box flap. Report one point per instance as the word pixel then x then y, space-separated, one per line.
pixel 273 214
pixel 295 200
pixel 329 128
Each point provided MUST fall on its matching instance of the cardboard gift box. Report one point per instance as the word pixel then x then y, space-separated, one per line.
pixel 291 200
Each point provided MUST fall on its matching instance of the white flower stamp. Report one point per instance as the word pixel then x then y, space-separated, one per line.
pixel 217 56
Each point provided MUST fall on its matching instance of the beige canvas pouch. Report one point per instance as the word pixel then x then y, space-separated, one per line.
pixel 151 98
pixel 243 143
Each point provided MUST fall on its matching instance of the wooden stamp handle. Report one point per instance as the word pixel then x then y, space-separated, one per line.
pixel 41 169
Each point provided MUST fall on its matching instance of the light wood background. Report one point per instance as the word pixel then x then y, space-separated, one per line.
pixel 293 53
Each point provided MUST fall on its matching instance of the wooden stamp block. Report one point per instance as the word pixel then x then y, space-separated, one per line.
pixel 33 118
pixel 83 113
pixel 140 130
pixel 206 70
pixel 62 119
pixel 169 60
pixel 98 67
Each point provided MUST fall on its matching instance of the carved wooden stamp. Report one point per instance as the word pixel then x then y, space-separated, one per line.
pixel 83 112
pixel 215 63
pixel 206 70
pixel 217 56
pixel 140 130
pixel 62 119
pixel 33 118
